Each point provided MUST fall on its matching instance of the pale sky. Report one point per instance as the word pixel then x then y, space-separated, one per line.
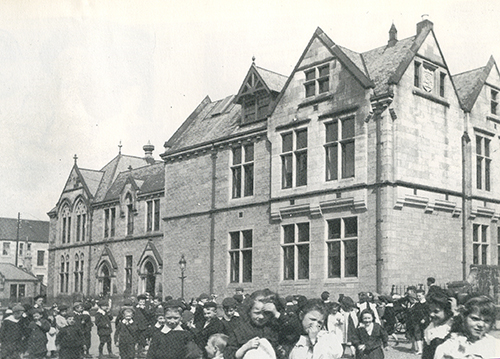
pixel 78 77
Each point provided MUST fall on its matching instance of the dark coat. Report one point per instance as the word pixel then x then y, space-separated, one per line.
pixel 374 343
pixel 70 339
pixel 12 337
pixel 126 333
pixel 37 340
pixel 103 323
pixel 176 344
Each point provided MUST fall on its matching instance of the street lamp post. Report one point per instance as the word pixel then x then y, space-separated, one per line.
pixel 182 265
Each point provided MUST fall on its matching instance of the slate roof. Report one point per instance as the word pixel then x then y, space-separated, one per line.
pixel 149 179
pixel 13 273
pixel 92 179
pixel 273 80
pixel 29 230
pixel 468 85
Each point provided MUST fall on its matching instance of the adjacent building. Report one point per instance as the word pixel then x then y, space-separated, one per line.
pixel 358 171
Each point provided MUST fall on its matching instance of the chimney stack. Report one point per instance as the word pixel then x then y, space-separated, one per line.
pixel 424 24
pixel 148 153
pixel 393 36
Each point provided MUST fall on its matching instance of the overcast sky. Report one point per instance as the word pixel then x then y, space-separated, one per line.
pixel 78 77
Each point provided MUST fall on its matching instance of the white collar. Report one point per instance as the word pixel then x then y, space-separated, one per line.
pixel 11 318
pixel 101 311
pixel 166 329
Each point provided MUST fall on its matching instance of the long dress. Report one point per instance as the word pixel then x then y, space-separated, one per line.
pixel 374 341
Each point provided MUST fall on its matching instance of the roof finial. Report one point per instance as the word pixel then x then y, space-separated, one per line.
pixel 75 157
pixel 253 60
pixel 425 17
pixel 120 148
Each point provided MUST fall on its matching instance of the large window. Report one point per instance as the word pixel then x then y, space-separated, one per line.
pixel 81 221
pixel 295 246
pixel 109 222
pixel 242 170
pixel 342 247
pixel 64 275
pixel 340 149
pixel 494 102
pixel 480 241
pixel 128 273
pixel 483 163
pixel 294 158
pixel 40 258
pixel 66 225
pixel 6 249
pixel 317 80
pixel 153 215
pixel 240 253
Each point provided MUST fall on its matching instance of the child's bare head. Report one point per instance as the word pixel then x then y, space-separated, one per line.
pixel 216 344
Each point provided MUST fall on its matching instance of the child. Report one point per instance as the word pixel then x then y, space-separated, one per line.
pixel 70 339
pixel 160 321
pixel 441 316
pixel 231 317
pixel 369 337
pixel 103 323
pixel 83 320
pixel 126 335
pixel 211 325
pixel 317 342
pixel 473 339
pixel 143 317
pixel 172 342
pixel 37 338
pixel 389 318
pixel 419 315
pixel 12 333
pixel 60 317
pixel 216 345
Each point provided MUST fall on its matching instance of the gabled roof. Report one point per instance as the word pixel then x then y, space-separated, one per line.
pixel 29 230
pixel 146 179
pixel 273 80
pixel 12 273
pixel 469 84
pixel 92 179
pixel 107 256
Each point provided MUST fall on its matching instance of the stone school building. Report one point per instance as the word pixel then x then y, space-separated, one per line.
pixel 358 171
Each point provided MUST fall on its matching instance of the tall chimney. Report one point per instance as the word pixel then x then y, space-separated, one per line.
pixel 148 153
pixel 424 24
pixel 393 36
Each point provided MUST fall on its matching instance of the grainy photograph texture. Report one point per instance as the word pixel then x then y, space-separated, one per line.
pixel 266 179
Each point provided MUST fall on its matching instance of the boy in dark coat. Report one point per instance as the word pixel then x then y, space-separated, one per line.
pixel 211 325
pixel 12 334
pixel 143 318
pixel 84 321
pixel 37 338
pixel 126 335
pixel 103 323
pixel 70 339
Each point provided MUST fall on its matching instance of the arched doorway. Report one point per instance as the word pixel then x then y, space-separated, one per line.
pixel 150 277
pixel 106 280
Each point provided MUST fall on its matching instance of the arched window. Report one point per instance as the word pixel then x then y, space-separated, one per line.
pixel 81 221
pixel 61 275
pixel 66 224
pixel 77 273
pixel 130 214
pixel 66 275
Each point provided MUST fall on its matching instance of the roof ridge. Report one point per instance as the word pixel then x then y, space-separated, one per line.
pixel 88 169
pixel 274 72
pixel 468 71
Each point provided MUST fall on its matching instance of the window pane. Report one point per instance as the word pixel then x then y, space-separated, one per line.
pixel 288 263
pixel 351 258
pixel 475 254
pixel 487 147
pixel 303 229
pixel 331 162
pixel 235 267
pixel 332 133
pixel 236 182
pixel 301 168
pixel 235 240
pixel 323 85
pixel 248 191
pixel 149 216
pixel 301 139
pixel 487 169
pixel 157 215
pixel 348 128
pixel 351 227
pixel 13 291
pixel 416 80
pixel 479 170
pixel 310 75
pixel 113 216
pixel 247 239
pixel 287 171
pixel 249 153
pixel 334 259
pixel 324 70
pixel 303 253
pixel 288 233
pixel 22 291
pixel 247 266
pixel 475 232
pixel 484 233
pixel 310 89
pixel 40 256
pixel 334 229
pixel 287 142
pixel 237 155
pixel 348 159
pixel 484 254
pixel 478 145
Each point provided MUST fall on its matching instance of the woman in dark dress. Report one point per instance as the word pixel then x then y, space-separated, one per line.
pixel 370 338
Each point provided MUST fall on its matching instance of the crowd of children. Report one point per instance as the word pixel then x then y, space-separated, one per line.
pixel 261 325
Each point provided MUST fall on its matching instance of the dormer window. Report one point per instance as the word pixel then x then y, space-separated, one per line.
pixel 317 80
pixel 494 102
pixel 255 108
